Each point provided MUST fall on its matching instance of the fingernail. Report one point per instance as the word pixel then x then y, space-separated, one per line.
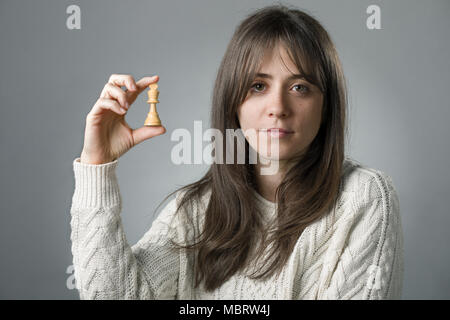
pixel 127 106
pixel 123 110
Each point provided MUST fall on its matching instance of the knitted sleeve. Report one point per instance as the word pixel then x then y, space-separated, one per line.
pixel 368 265
pixel 105 266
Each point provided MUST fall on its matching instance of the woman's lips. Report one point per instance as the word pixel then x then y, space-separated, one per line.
pixel 277 132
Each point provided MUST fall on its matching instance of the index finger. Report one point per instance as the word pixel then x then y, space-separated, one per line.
pixel 143 83
pixel 123 80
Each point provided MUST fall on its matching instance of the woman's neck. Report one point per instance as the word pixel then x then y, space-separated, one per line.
pixel 268 184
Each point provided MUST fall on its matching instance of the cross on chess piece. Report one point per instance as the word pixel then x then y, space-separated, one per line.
pixel 152 116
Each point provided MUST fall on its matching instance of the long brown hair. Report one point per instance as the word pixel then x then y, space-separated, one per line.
pixel 232 222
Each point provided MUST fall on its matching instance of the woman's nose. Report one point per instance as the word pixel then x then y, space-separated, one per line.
pixel 277 106
pixel 277 113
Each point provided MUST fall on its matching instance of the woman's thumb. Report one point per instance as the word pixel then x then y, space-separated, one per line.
pixel 147 132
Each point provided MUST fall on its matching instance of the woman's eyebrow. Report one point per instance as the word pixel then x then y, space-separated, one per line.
pixel 268 76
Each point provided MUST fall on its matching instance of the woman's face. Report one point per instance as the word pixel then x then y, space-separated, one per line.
pixel 278 98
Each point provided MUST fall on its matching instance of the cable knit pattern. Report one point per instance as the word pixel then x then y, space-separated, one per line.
pixel 355 251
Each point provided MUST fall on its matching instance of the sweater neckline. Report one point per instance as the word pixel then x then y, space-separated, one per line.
pixel 266 203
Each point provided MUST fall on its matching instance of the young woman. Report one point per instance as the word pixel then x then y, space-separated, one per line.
pixel 323 226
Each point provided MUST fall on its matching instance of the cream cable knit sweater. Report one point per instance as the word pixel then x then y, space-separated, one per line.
pixel 354 252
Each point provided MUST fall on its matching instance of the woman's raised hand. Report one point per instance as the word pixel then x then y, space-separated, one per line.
pixel 107 135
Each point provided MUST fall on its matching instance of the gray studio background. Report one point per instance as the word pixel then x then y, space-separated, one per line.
pixel 398 81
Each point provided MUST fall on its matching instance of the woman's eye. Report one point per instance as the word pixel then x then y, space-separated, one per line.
pixel 258 87
pixel 302 88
